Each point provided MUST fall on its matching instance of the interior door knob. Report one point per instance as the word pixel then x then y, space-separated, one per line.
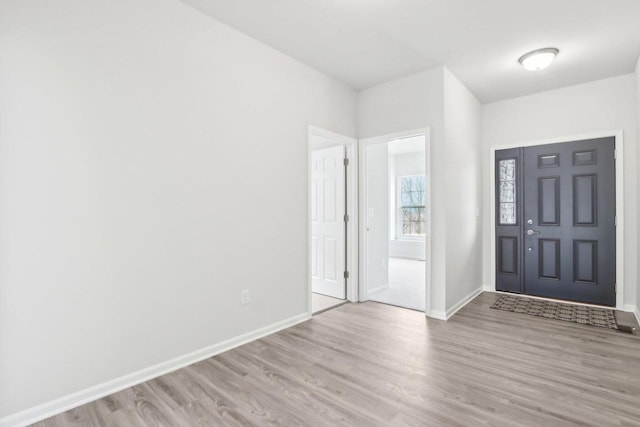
pixel 532 232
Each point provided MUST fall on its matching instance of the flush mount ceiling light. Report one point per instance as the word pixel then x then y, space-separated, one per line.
pixel 538 59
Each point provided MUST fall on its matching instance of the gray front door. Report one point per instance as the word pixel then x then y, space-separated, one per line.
pixel 555 221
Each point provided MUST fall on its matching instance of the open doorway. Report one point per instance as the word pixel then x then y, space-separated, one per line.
pixel 332 220
pixel 395 220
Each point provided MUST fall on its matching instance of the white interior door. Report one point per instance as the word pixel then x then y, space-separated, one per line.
pixel 327 222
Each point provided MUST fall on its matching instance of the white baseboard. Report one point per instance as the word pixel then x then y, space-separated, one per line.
pixel 377 289
pixel 442 315
pixel 48 409
pixel 437 314
pixel 488 288
pixel 632 309
pixel 464 301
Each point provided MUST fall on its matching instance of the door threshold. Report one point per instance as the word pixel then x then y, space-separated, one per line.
pixel 396 305
pixel 585 304
pixel 323 309
pixel 321 302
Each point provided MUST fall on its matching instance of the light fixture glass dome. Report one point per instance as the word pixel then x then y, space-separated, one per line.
pixel 538 59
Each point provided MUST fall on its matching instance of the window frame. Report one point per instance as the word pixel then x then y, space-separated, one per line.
pixel 398 209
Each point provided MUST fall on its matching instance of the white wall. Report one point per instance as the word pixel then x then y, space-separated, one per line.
pixel 147 154
pixel 407 103
pixel 377 216
pixel 403 165
pixel 598 106
pixel 410 103
pixel 435 98
pixel 462 120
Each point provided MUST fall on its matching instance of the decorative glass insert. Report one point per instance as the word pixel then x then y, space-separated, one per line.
pixel 412 205
pixel 507 191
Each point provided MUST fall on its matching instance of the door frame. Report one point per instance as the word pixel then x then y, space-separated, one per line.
pixel 619 164
pixel 317 139
pixel 363 143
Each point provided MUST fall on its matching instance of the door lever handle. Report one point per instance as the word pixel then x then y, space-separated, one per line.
pixel 532 232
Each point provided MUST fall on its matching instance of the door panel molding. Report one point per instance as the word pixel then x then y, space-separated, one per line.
pixel 549 200
pixel 548 161
pixel 583 158
pixel 585 200
pixel 585 265
pixel 619 203
pixel 549 254
pixel 508 255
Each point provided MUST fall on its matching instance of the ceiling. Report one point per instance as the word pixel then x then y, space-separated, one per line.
pixel 367 42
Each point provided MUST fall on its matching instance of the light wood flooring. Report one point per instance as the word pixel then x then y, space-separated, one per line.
pixel 372 364
pixel 320 303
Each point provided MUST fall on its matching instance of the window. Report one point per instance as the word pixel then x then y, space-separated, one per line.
pixel 507 191
pixel 411 196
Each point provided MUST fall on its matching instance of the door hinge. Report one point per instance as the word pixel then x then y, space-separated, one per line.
pixel 346 218
pixel 346 274
pixel 615 221
pixel 346 162
pixel 615 154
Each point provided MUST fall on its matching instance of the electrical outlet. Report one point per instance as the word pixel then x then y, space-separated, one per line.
pixel 244 296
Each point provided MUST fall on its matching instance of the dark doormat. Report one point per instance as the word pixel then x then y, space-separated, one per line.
pixel 584 315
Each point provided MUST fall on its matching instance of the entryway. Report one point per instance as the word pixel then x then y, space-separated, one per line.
pixel 394 219
pixel 555 220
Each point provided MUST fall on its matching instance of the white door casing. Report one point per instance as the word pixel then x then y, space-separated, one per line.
pixel 327 222
pixel 364 281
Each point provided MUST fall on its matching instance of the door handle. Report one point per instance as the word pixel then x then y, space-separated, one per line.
pixel 532 232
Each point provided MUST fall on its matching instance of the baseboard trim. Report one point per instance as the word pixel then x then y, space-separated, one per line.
pixel 632 309
pixel 378 289
pixel 438 314
pixel 446 315
pixel 488 288
pixel 57 406
pixel 464 301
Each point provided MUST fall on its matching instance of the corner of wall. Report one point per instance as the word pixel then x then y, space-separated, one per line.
pixel 463 165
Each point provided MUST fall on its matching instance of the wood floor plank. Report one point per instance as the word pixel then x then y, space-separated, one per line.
pixel 371 364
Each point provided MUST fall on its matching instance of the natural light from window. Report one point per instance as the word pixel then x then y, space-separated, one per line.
pixel 411 206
